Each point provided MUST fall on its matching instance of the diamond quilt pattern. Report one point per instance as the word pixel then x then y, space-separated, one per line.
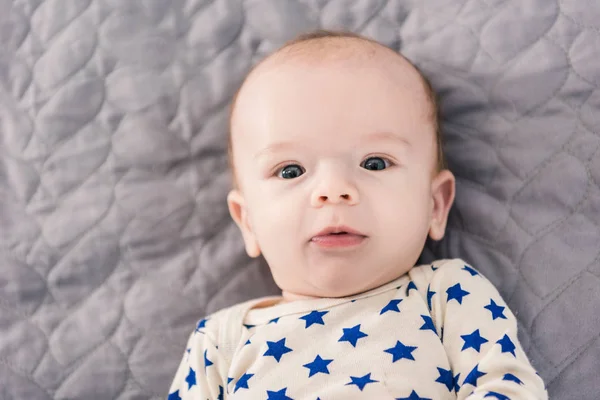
pixel 114 232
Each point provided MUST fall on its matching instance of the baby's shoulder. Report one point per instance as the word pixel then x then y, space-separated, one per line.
pixel 455 268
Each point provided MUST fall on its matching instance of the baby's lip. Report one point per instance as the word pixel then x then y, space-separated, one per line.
pixel 338 229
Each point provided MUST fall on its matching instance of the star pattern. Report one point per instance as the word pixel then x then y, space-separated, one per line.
pixel 446 378
pixel 473 341
pixel 470 270
pixel 391 306
pixel 352 335
pixel 318 365
pixel 362 381
pixel 207 362
pixel 507 345
pixel 411 286
pixel 314 317
pixel 428 324
pixel 191 378
pixel 400 351
pixel 221 394
pixel 512 378
pixel 278 395
pixel 274 320
pixel 430 294
pixel 496 310
pixel 412 396
pixel 498 396
pixel 456 293
pixel 201 325
pixel 277 349
pixel 174 396
pixel 242 383
pixel 475 374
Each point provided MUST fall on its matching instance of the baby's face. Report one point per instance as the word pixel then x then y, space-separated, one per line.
pixel 338 146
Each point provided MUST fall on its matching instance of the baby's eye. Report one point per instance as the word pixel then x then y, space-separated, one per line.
pixel 290 171
pixel 375 163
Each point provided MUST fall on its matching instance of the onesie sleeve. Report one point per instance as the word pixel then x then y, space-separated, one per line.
pixel 479 333
pixel 199 375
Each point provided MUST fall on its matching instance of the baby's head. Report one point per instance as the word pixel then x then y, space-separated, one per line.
pixel 336 133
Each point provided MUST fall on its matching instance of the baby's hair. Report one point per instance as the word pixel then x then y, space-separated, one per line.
pixel 326 37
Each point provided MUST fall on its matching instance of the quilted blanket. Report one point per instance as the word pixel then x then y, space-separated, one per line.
pixel 114 233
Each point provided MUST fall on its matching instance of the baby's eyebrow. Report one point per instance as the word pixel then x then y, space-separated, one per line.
pixel 274 148
pixel 386 136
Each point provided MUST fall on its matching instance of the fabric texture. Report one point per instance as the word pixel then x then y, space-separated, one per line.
pixel 114 232
pixel 441 331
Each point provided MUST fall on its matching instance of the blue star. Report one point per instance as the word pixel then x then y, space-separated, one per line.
pixel 411 285
pixel 391 306
pixel 434 268
pixel 191 378
pixel 473 376
pixel 352 335
pixel 456 385
pixel 457 293
pixel 361 382
pixel 430 294
pixel 496 310
pixel 446 378
pixel 229 380
pixel 470 270
pixel 274 320
pixel 314 317
pixel 247 342
pixel 207 362
pixel 473 340
pixel 507 345
pixel 220 396
pixel 511 377
pixel 318 365
pixel 201 325
pixel 400 351
pixel 174 396
pixel 277 349
pixel 247 326
pixel 428 324
pixel 242 383
pixel 278 395
pixel 413 396
pixel 498 396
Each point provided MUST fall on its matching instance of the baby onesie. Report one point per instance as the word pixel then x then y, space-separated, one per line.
pixel 441 331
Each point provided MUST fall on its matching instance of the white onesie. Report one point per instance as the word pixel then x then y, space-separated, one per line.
pixel 441 331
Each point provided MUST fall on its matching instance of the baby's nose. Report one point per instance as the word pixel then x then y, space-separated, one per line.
pixel 340 193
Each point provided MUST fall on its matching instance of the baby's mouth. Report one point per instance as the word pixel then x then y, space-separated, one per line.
pixel 338 237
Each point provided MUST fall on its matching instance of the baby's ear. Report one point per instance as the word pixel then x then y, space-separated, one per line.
pixel 239 213
pixel 442 192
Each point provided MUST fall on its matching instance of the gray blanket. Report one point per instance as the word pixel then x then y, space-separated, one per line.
pixel 114 232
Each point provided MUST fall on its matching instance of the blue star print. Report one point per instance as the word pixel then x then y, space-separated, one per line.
pixel 314 317
pixel 318 365
pixel 428 324
pixel 430 294
pixel 496 310
pixel 352 335
pixel 278 395
pixel 445 378
pixel 512 378
pixel 457 293
pixel 391 306
pixel 507 345
pixel 207 362
pixel 413 396
pixel 191 378
pixel 174 396
pixel 201 325
pixel 229 380
pixel 362 381
pixel 473 340
pixel 411 285
pixel 242 383
pixel 498 396
pixel 473 376
pixel 249 326
pixel 220 396
pixel 470 270
pixel 400 351
pixel 277 349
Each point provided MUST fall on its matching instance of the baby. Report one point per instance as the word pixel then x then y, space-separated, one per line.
pixel 339 180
